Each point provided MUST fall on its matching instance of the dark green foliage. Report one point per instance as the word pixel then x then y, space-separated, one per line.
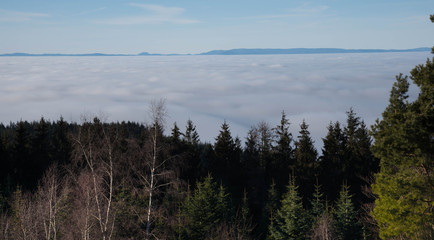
pixel 283 157
pixel 255 176
pixel 205 208
pixel 61 145
pixel 317 204
pixel 333 160
pixel 346 225
pixel 305 162
pixel 291 221
pixel 404 144
pixel 191 136
pixel 226 165
pixel 176 134
pixel 347 157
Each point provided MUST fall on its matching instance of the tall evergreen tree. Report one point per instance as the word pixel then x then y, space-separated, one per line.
pixel 205 209
pixel 291 221
pixel 283 158
pixel 317 204
pixel 333 160
pixel 360 164
pixel 305 162
pixel 21 166
pixel 224 149
pixel 176 134
pixel 346 225
pixel 272 205
pixel 404 144
pixel 40 159
pixel 191 135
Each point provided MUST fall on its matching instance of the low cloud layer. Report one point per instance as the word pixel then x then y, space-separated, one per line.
pixel 243 90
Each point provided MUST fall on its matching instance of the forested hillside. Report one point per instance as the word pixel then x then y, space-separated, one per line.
pixel 125 180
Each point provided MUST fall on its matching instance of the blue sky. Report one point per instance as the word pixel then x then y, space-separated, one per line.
pixel 185 26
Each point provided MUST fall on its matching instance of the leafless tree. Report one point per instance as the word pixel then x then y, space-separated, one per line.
pixel 323 229
pixel 50 202
pixel 94 145
pixel 5 225
pixel 24 219
pixel 152 170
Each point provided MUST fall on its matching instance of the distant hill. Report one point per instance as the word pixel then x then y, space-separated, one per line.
pixel 239 51
pixel 60 55
pixel 264 51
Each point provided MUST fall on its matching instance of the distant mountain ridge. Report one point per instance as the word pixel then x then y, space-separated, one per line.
pixel 264 51
pixel 238 51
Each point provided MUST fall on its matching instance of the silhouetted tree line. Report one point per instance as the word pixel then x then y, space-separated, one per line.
pixel 127 180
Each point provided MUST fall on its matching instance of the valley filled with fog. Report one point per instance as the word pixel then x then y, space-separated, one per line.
pixel 243 90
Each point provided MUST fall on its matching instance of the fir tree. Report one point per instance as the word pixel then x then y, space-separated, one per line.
pixel 332 160
pixel 226 162
pixel 176 134
pixel 317 203
pixel 291 221
pixel 191 135
pixel 283 159
pixel 346 225
pixel 205 209
pixel 305 161
pixel 404 144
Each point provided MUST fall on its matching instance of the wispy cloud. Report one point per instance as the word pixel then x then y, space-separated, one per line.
pixel 308 8
pixel 156 14
pixel 304 10
pixel 90 11
pixel 15 16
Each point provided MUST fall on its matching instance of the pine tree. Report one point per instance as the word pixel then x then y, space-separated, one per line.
pixel 317 203
pixel 273 202
pixel 283 159
pixel 176 134
pixel 224 149
pixel 40 159
pixel 191 135
pixel 320 218
pixel 346 225
pixel 22 168
pixel 291 221
pixel 332 160
pixel 404 144
pixel 305 162
pixel 205 209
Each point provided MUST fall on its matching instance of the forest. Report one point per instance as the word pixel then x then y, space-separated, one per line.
pixel 126 180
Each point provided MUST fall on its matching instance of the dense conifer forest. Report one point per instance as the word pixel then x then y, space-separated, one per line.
pixel 126 180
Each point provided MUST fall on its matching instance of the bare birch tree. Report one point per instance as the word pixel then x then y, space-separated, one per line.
pixel 94 144
pixel 24 218
pixel 154 175
pixel 50 202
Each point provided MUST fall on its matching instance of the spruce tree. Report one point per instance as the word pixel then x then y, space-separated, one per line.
pixel 291 221
pixel 191 136
pixel 317 204
pixel 283 159
pixel 205 209
pixel 346 225
pixel 332 160
pixel 305 162
pixel 404 144
pixel 226 163
pixel 176 134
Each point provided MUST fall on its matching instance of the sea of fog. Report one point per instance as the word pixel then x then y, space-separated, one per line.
pixel 243 90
